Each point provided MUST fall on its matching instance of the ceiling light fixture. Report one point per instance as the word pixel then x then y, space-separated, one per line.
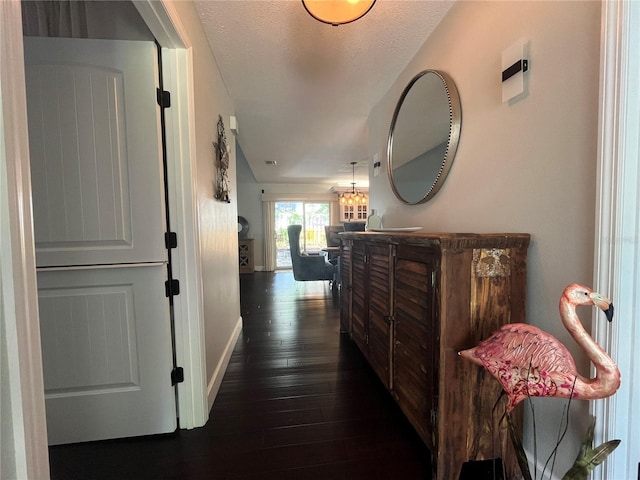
pixel 337 12
pixel 354 197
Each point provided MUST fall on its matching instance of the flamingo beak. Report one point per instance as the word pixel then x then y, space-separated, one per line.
pixel 604 304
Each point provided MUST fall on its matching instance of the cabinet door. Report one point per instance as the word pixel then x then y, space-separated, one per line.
pixel 345 286
pixel 350 213
pixel 245 255
pixel 415 350
pixel 359 295
pixel 380 273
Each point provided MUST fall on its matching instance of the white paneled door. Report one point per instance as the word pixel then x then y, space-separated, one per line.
pixel 98 200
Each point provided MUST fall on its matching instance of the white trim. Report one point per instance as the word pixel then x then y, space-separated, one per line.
pixel 100 266
pixel 25 453
pixel 165 24
pixel 270 254
pixel 163 21
pixel 299 197
pixel 188 306
pixel 218 374
pixel 617 249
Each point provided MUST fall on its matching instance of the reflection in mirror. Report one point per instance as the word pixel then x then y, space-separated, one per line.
pixel 423 137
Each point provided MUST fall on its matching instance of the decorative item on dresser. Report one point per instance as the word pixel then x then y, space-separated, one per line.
pixel 529 362
pixel 243 227
pixel 411 302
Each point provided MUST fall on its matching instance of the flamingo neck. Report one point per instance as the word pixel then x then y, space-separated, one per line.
pixel 607 377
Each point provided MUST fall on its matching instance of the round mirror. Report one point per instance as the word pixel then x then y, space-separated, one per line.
pixel 423 137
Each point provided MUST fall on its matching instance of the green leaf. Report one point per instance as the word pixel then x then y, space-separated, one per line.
pixel 586 463
pixel 587 442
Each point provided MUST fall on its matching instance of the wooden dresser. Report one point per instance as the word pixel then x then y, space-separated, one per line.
pixel 411 302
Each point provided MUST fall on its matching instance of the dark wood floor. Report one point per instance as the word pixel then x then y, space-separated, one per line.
pixel 298 401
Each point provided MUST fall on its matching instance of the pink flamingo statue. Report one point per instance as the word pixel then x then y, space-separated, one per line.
pixel 529 362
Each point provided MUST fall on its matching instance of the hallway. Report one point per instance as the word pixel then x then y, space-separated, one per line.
pixel 298 401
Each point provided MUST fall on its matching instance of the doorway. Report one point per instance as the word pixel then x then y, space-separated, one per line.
pixel 29 449
pixel 119 229
pixel 313 216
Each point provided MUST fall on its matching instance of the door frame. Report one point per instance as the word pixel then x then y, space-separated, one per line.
pixel 617 248
pixel 177 65
pixel 20 333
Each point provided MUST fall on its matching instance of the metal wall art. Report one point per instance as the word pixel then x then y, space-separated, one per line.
pixel 222 164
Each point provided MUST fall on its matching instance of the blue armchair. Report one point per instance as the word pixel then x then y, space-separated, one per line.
pixel 307 267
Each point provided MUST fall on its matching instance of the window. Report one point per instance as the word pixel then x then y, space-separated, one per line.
pixel 313 216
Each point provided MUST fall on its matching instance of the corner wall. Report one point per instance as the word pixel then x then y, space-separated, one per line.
pixel 526 167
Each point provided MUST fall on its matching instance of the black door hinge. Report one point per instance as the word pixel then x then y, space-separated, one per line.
pixel 170 240
pixel 177 375
pixel 164 98
pixel 172 288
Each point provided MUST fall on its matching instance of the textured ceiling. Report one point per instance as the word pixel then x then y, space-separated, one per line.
pixel 302 89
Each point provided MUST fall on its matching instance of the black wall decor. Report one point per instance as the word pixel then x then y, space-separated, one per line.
pixel 222 164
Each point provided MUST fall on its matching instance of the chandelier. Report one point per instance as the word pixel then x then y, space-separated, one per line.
pixel 337 12
pixel 354 197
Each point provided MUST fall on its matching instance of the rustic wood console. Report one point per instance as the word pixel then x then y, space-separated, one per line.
pixel 411 302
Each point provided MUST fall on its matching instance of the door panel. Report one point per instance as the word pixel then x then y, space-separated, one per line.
pixel 106 352
pixel 359 297
pixel 94 143
pixel 98 196
pixel 416 345
pixel 345 283
pixel 380 288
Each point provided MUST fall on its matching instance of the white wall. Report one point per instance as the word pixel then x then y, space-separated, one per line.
pixel 250 207
pixel 217 220
pixel 526 167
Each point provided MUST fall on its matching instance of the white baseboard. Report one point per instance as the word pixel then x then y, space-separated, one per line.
pixel 216 379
